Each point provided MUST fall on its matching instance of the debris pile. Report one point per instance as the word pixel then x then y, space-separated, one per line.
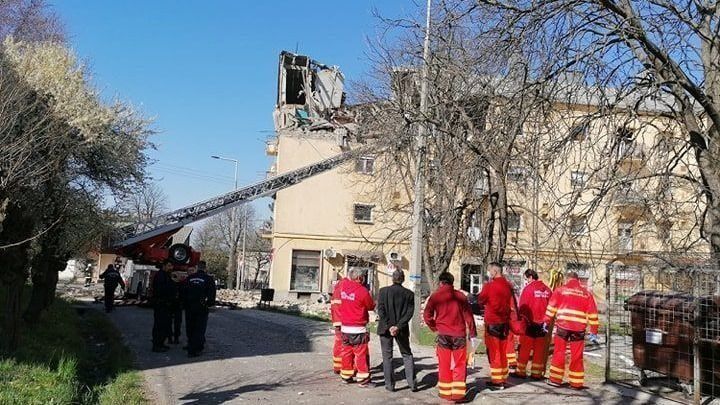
pixel 250 299
pixel 74 291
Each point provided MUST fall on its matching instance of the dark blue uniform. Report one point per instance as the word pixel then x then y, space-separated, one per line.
pixel 164 293
pixel 111 278
pixel 176 314
pixel 198 295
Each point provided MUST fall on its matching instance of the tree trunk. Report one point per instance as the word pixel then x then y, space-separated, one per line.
pixel 10 336
pixel 44 283
pixel 706 156
pixel 231 267
pixel 17 226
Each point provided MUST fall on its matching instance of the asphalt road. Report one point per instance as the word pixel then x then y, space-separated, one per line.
pixel 266 357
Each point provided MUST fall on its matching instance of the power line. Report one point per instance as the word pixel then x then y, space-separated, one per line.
pixel 192 171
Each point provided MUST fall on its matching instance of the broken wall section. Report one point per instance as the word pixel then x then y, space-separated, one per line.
pixel 311 98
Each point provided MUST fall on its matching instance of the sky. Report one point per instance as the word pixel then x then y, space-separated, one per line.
pixel 206 71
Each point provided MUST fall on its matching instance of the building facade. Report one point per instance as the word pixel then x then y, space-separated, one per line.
pixel 612 195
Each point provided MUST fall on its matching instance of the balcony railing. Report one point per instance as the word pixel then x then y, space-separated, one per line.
pixel 271 147
pixel 631 151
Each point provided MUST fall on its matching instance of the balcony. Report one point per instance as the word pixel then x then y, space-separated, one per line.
pixel 631 202
pixel 271 171
pixel 271 147
pixel 631 155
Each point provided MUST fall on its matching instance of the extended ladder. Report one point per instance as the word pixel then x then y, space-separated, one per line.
pixel 171 221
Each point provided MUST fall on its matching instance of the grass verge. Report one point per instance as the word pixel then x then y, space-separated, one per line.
pixel 71 356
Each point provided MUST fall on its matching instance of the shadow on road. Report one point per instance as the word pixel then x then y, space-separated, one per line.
pixel 213 397
pixel 230 334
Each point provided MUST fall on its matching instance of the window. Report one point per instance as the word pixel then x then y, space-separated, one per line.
pixel 625 237
pixel 365 165
pixel 514 221
pixel 578 225
pixel 578 179
pixel 363 213
pixel 625 141
pixel 513 270
pixel 517 174
pixel 579 132
pixel 305 270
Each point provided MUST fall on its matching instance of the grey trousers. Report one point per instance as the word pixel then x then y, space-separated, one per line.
pixel 386 346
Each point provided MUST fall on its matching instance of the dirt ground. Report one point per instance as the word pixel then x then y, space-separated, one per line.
pixel 266 357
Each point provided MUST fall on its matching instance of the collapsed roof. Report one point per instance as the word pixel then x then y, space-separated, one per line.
pixel 310 96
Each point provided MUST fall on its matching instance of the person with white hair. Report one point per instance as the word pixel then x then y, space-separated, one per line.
pixel 355 305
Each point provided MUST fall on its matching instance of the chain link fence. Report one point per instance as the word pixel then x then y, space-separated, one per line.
pixel 663 325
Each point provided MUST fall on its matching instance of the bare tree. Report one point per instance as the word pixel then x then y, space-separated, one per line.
pixel 224 232
pixel 146 202
pixel 635 60
pixel 477 137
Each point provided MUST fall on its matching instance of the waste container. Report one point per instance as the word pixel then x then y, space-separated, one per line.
pixel 663 329
pixel 266 295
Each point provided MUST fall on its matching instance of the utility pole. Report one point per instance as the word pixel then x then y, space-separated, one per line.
pixel 233 221
pixel 416 240
pixel 244 231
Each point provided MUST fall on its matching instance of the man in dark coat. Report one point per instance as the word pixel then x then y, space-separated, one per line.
pixel 395 309
pixel 176 313
pixel 198 295
pixel 111 278
pixel 164 292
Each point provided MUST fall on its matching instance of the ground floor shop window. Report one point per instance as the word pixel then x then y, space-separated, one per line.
pixel 305 270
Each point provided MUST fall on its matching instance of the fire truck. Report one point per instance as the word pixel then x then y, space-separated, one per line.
pixel 150 243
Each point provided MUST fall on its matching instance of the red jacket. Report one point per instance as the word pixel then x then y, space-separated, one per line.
pixel 355 303
pixel 447 312
pixel 497 297
pixel 534 301
pixel 335 303
pixel 574 308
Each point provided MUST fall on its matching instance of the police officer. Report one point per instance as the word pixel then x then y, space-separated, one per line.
pixel 198 295
pixel 111 278
pixel 164 292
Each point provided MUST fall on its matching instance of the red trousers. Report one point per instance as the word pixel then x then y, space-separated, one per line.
pixel 452 370
pixel 576 374
pixel 337 351
pixel 511 355
pixel 536 346
pixel 355 360
pixel 497 354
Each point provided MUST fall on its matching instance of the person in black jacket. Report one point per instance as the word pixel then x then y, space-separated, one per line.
pixel 198 295
pixel 111 278
pixel 395 309
pixel 164 292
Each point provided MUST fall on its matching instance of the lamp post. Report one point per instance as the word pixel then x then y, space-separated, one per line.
pixel 233 220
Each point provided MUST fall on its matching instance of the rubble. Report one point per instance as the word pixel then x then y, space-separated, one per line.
pixel 75 291
pixel 250 299
pixel 311 96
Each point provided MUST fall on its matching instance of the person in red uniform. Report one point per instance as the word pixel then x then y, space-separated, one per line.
pixel 335 317
pixel 511 353
pixel 448 314
pixel 574 310
pixel 496 296
pixel 533 304
pixel 355 304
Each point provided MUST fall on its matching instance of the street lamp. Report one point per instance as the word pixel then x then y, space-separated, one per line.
pixel 232 224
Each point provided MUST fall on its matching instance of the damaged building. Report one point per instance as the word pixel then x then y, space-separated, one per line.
pixel 327 223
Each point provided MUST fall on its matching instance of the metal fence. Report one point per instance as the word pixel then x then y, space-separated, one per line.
pixel 663 325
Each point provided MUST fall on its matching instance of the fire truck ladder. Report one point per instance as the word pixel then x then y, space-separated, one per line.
pixel 174 220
